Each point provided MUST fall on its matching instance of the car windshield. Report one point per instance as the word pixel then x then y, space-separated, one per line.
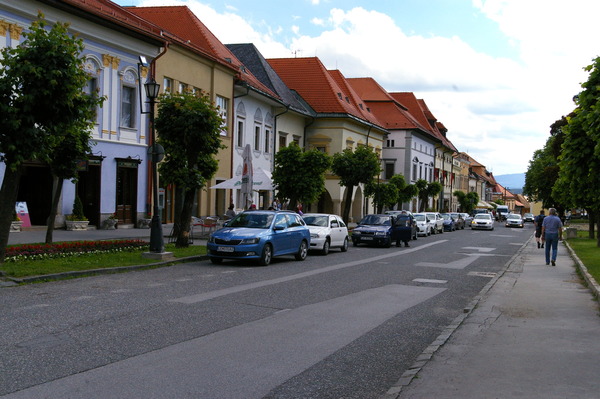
pixel 316 220
pixel 528 215
pixel 446 216
pixel 514 217
pixel 420 218
pixel 251 219
pixel 377 220
pixel 482 216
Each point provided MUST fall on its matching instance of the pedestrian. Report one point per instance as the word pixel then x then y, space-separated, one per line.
pixel 299 210
pixel 538 228
pixel 230 212
pixel 551 234
pixel 402 228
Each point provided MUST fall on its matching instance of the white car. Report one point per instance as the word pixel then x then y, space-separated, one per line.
pixel 424 224
pixel 437 220
pixel 326 231
pixel 483 221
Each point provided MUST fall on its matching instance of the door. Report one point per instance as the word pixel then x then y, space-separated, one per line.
pixel 88 190
pixel 126 193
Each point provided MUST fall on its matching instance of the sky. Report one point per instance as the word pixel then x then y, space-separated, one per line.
pixel 496 73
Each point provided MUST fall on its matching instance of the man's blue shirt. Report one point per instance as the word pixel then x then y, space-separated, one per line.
pixel 551 224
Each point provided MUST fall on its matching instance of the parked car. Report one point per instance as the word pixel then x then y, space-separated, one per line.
pixel 528 217
pixel 437 220
pixel 375 230
pixel 514 220
pixel 467 218
pixel 326 231
pixel 260 235
pixel 483 221
pixel 448 221
pixel 424 224
pixel 459 221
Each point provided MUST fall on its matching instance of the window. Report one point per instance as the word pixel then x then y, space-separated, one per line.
pixel 167 85
pixel 322 149
pixel 223 104
pixel 240 133
pixel 296 139
pixel 389 170
pixel 282 141
pixel 183 87
pixel 391 143
pixel 257 138
pixel 267 140
pixel 91 89
pixel 128 107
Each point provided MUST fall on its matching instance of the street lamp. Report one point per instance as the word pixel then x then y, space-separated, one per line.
pixel 156 152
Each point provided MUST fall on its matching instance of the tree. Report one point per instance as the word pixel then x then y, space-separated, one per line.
pixel 467 201
pixel 384 194
pixel 353 168
pixel 300 175
pixel 579 161
pixel 42 104
pixel 426 191
pixel 188 127
pixel 406 192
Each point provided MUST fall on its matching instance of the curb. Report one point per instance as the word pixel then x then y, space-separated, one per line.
pixel 110 270
pixel 406 378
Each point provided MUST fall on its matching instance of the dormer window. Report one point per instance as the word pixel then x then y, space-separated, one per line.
pixel 340 95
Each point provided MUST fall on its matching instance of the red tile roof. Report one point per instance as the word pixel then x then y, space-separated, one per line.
pixel 389 111
pixel 182 22
pixel 113 13
pixel 325 91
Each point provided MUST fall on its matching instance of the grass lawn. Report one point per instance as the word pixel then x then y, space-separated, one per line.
pixel 588 252
pixel 91 261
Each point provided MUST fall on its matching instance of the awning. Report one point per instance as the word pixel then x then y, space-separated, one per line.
pixel 261 180
pixel 483 204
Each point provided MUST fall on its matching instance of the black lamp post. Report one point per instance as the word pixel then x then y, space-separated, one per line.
pixel 157 243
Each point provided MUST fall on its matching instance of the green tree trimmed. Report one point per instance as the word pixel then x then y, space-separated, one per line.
pixel 427 190
pixel 406 192
pixel 42 104
pixel 188 127
pixel 353 168
pixel 384 194
pixel 467 201
pixel 300 175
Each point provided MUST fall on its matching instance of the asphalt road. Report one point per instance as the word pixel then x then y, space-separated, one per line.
pixel 346 325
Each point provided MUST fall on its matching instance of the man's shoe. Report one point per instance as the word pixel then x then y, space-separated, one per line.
pixel 553 263
pixel 542 245
pixel 406 244
pixel 538 244
pixel 547 264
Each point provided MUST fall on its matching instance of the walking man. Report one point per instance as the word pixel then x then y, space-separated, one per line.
pixel 538 229
pixel 551 233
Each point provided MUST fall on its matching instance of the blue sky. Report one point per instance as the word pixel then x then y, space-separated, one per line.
pixel 497 73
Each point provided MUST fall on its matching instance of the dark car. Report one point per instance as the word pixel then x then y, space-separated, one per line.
pixel 449 223
pixel 260 235
pixel 459 220
pixel 382 230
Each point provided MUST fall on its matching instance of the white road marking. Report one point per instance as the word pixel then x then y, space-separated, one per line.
pixel 428 280
pixel 480 249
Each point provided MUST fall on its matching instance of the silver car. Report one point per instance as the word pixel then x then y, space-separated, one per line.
pixel 326 231
pixel 437 220
pixel 482 221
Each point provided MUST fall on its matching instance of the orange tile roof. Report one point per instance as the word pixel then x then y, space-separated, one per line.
pixel 388 110
pixel 182 22
pixel 325 91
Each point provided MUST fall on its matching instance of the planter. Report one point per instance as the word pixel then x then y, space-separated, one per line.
pixel 110 224
pixel 15 227
pixel 77 225
pixel 144 223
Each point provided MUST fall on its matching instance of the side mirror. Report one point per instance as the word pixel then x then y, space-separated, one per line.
pixel 278 228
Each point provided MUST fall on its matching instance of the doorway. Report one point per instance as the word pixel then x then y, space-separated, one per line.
pixel 127 179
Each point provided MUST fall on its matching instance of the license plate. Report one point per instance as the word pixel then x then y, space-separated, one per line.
pixel 366 238
pixel 225 249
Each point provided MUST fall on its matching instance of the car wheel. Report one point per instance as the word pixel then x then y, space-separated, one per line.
pixel 302 251
pixel 325 249
pixel 388 243
pixel 344 247
pixel 355 243
pixel 216 261
pixel 416 236
pixel 266 256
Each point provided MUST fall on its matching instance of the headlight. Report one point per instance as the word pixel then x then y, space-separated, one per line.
pixel 314 235
pixel 211 239
pixel 254 240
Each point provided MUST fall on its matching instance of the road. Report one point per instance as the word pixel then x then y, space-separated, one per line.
pixel 343 325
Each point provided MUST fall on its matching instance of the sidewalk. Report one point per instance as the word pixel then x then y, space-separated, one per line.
pixel 533 334
pixel 37 234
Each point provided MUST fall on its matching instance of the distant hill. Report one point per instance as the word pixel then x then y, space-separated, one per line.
pixel 513 182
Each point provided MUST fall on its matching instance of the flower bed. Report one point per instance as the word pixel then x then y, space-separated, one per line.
pixel 16 253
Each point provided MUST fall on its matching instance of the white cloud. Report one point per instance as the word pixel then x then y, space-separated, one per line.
pixel 318 21
pixel 497 109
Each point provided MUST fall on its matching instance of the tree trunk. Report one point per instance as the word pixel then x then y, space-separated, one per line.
pixel 348 203
pixel 8 198
pixel 184 219
pixel 592 218
pixel 57 191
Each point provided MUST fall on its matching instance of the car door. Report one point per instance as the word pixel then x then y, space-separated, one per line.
pixel 296 227
pixel 337 237
pixel 281 234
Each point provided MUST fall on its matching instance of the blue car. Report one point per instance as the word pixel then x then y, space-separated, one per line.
pixel 259 236
pixel 377 230
pixel 449 223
